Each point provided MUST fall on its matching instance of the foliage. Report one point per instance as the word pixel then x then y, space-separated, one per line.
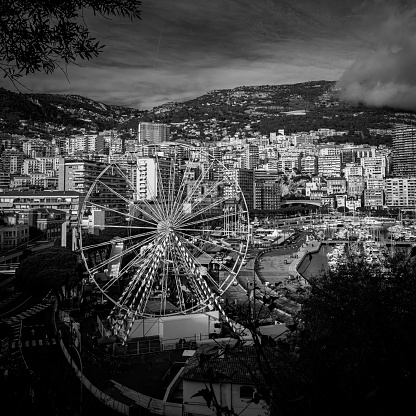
pixel 48 269
pixel 357 337
pixel 350 350
pixel 42 35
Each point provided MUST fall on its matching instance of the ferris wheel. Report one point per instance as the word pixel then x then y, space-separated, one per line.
pixel 171 234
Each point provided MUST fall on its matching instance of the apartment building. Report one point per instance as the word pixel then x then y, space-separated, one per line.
pixel 289 163
pixel 153 133
pixel 110 194
pixel 245 180
pixel 353 169
pixel 355 186
pixel 400 192
pixel 12 233
pixel 329 165
pixel 309 165
pixel 85 143
pixel 373 198
pixel 404 150
pixel 267 192
pixel 12 161
pixel 336 185
pixel 25 201
pixel 250 157
pixel 154 178
pixel 374 166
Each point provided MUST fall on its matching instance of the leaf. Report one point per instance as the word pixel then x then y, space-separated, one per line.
pixel 256 398
pixel 292 327
pixel 207 394
pixel 204 358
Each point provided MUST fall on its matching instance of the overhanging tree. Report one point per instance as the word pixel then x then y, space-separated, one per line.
pixel 42 35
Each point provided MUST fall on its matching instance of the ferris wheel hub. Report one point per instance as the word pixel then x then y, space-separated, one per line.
pixel 165 227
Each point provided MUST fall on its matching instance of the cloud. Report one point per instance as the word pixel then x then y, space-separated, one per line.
pixel 184 48
pixel 385 75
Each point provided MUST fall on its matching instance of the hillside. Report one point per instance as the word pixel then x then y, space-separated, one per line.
pixel 243 111
pixel 268 108
pixel 49 112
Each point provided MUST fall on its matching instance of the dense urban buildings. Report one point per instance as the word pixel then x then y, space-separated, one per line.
pixel 268 168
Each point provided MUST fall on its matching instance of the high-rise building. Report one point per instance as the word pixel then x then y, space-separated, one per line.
pixel 374 166
pixel 400 192
pixel 12 161
pixel 154 176
pixel 250 159
pixel 267 192
pixel 245 180
pixel 110 193
pixel 404 150
pixel 267 195
pixel 153 132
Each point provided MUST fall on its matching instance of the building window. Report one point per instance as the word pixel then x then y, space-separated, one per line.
pixel 246 392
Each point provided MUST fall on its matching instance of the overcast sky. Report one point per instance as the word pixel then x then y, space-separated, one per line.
pixel 184 48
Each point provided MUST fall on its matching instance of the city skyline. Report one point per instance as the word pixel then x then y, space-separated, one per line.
pixel 180 50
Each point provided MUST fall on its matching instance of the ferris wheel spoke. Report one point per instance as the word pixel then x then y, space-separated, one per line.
pixel 122 197
pixel 198 183
pixel 164 208
pixel 155 209
pixel 118 256
pixel 124 227
pixel 171 188
pixel 200 212
pixel 151 212
pixel 194 189
pixel 131 263
pixel 128 181
pixel 123 214
pixel 178 264
pixel 129 203
pixel 212 243
pixel 199 201
pixel 196 265
pixel 106 243
pixel 147 246
pixel 209 219
pixel 179 196
pixel 179 200
pixel 233 273
pixel 137 284
pixel 193 286
pixel 164 280
pixel 153 217
pixel 182 257
pixel 150 277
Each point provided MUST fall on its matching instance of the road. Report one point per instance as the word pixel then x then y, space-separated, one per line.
pixel 39 380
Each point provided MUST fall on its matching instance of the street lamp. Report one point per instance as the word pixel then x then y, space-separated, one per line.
pixel 80 391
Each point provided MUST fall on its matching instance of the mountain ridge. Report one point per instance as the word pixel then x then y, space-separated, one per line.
pixel 295 107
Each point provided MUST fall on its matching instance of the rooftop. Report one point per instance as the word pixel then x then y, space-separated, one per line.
pixel 38 193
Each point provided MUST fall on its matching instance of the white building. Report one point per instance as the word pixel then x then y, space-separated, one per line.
pixel 374 166
pixel 400 192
